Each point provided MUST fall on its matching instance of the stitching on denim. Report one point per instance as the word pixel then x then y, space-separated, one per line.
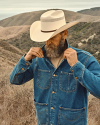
pixel 67 73
pixel 49 80
pixel 51 98
pixel 40 103
pixel 73 119
pixel 68 109
pixel 39 113
pixel 50 64
pixel 82 73
pixel 35 65
pixel 86 53
pixel 17 79
pixel 43 70
pixel 68 91
pixel 15 76
pixel 46 106
pixel 86 60
pixel 83 117
pixel 82 114
pixel 59 117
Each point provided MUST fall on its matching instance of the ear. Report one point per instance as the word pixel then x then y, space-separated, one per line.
pixel 65 33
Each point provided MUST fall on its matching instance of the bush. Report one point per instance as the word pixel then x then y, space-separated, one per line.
pixel 84 42
pixel 98 56
pixel 89 41
pixel 17 44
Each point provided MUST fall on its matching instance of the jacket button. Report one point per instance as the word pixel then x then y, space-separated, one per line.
pixel 53 92
pixel 52 108
pixel 22 68
pixel 75 77
pixel 27 64
pixel 54 75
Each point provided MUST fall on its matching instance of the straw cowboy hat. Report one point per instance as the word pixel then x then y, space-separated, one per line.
pixel 51 23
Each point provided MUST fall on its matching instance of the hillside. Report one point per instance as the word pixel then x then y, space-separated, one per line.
pixel 91 11
pixel 29 17
pixel 10 32
pixel 84 36
pixel 16 102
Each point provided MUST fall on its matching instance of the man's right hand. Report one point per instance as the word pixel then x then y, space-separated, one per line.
pixel 34 52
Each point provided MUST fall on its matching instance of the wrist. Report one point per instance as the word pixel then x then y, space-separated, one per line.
pixel 74 63
pixel 25 57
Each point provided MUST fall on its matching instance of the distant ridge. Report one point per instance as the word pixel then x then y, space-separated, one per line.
pixel 29 17
pixel 92 11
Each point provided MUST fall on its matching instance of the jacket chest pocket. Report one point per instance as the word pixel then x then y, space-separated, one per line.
pixel 44 79
pixel 67 82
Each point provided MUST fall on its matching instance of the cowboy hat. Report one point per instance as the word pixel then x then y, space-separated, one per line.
pixel 51 23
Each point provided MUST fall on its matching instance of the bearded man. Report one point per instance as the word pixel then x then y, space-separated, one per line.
pixel 63 75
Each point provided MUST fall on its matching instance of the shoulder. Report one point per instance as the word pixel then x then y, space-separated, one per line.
pixel 82 52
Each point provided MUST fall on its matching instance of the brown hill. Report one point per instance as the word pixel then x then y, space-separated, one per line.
pixel 10 32
pixel 29 17
pixel 91 11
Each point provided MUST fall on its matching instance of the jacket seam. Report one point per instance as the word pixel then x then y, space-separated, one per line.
pixel 87 60
pixel 86 53
pixel 82 80
pixel 84 68
pixel 35 65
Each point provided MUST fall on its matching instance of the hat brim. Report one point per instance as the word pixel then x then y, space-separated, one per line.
pixel 38 36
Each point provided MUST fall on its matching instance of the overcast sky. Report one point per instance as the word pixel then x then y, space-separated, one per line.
pixel 13 7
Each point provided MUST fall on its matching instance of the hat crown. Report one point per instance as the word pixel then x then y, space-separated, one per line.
pixel 52 15
pixel 52 20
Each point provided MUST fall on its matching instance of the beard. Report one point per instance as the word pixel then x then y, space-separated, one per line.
pixel 53 51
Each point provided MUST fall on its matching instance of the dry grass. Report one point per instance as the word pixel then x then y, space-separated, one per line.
pixel 16 102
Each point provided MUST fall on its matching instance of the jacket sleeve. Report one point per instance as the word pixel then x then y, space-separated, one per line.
pixel 23 71
pixel 88 75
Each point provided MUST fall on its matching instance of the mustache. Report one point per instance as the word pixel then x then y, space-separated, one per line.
pixel 51 46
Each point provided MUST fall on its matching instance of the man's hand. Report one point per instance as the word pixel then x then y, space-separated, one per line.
pixel 71 56
pixel 34 52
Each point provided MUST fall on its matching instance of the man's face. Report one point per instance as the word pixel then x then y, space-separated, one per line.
pixel 55 46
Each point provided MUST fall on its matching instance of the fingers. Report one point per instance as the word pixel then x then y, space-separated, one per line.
pixel 36 51
pixel 69 53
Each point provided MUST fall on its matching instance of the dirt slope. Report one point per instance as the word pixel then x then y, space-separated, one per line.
pixel 10 32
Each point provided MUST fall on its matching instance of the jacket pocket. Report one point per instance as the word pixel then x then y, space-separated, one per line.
pixel 44 79
pixel 71 116
pixel 67 82
pixel 41 113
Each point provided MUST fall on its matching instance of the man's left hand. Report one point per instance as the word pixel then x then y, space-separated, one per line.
pixel 71 56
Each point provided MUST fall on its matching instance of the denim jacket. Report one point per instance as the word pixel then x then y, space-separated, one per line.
pixel 61 94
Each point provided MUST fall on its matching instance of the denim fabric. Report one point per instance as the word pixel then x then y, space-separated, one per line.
pixel 61 94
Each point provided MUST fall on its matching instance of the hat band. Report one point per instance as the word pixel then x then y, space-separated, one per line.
pixel 48 31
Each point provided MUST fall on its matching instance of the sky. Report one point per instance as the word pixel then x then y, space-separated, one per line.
pixel 12 7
